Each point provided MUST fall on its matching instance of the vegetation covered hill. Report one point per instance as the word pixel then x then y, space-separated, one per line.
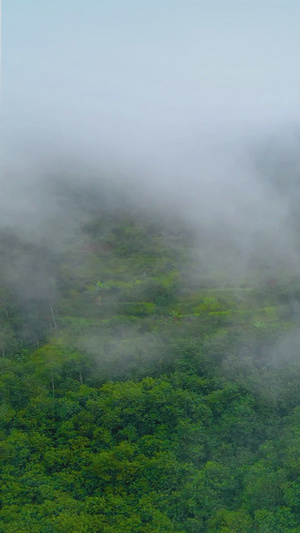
pixel 140 391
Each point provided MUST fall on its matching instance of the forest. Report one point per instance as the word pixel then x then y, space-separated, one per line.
pixel 144 390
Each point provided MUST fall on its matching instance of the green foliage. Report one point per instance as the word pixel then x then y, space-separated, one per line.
pixel 153 402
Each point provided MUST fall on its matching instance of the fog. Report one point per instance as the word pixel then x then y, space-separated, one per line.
pixel 191 108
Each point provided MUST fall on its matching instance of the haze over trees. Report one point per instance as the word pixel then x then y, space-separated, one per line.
pixel 140 389
pixel 149 274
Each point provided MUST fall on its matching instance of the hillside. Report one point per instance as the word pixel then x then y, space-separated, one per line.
pixel 141 391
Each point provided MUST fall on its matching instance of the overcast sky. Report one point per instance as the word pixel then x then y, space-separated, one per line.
pixel 130 75
pixel 175 99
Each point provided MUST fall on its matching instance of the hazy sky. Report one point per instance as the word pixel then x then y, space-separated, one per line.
pixel 177 98
pixel 130 75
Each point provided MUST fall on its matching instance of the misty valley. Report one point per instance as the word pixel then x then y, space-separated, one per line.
pixel 150 266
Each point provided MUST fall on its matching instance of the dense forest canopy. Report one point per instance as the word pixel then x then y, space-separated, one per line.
pixel 146 385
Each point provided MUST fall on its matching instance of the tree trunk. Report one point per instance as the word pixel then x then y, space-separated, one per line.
pixel 52 313
pixel 53 388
